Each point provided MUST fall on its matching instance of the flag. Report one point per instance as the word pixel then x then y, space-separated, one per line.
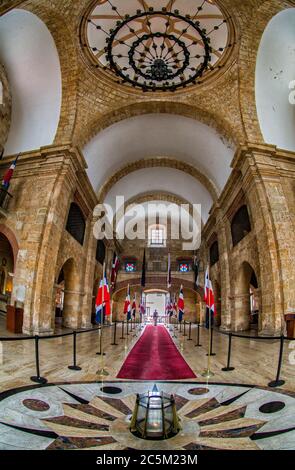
pixel 103 300
pixel 8 175
pixel 169 272
pixel 209 299
pixel 174 306
pixel 133 308
pixel 141 305
pixel 127 304
pixel 143 271
pixel 180 304
pixel 196 270
pixel 115 268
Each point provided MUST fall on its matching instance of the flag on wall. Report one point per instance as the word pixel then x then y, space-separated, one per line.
pixel 143 271
pixel 127 304
pixel 8 175
pixel 133 308
pixel 169 272
pixel 180 304
pixel 209 299
pixel 103 300
pixel 115 268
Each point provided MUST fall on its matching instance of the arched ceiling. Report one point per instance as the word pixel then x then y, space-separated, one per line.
pixel 153 135
pixel 30 58
pixel 147 212
pixel 155 180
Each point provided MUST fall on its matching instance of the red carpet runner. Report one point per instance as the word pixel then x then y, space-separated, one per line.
pixel 155 357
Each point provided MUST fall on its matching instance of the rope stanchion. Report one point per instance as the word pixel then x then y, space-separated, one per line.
pixel 100 352
pixel 122 335
pixel 127 333
pixel 74 366
pixel 184 323
pixel 211 344
pixel 115 336
pixel 198 336
pixel 190 331
pixel 278 382
pixel 37 378
pixel 228 366
pixel 180 323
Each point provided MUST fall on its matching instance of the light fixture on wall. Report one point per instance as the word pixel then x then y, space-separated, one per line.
pixel 157 47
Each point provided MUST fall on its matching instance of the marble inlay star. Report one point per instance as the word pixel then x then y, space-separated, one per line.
pixel 212 416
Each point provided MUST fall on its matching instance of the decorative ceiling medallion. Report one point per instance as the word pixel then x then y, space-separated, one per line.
pixel 157 45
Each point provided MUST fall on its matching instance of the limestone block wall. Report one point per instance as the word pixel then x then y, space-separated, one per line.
pixel 263 180
pixel 43 186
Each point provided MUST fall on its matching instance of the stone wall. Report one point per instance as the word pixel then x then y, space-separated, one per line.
pixel 5 108
pixel 43 186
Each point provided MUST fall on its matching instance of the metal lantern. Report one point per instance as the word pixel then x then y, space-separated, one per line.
pixel 155 416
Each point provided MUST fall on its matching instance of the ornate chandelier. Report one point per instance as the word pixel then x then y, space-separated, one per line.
pixel 156 45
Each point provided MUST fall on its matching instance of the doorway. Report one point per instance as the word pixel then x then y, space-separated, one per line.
pixel 6 273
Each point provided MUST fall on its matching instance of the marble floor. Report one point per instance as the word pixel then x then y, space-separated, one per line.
pixel 77 410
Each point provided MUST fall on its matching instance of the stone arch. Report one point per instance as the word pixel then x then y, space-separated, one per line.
pixel 72 295
pixel 244 279
pixel 100 122
pixel 8 233
pixel 159 162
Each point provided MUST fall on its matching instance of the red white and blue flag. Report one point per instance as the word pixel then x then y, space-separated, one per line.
pixel 127 304
pixel 208 292
pixel 8 175
pixel 209 300
pixel 115 268
pixel 103 300
pixel 141 306
pixel 180 304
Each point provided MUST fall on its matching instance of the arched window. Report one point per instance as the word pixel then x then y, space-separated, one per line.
pixel 240 226
pixel 214 253
pixel 76 223
pixel 100 251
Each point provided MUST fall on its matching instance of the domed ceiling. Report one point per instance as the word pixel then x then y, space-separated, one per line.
pixel 156 45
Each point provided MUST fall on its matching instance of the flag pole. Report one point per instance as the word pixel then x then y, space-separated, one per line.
pixel 102 372
pixel 207 372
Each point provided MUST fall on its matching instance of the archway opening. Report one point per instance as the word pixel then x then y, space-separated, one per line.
pixel 246 313
pixel 155 306
pixel 67 295
pixel 6 273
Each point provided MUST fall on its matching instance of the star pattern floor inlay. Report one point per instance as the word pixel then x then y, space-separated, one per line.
pixel 96 416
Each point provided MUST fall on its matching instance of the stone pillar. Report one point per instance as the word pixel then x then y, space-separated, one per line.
pixel 240 306
pixel 225 275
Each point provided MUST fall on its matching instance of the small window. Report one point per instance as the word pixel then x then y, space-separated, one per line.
pixel 130 266
pixel 214 253
pixel 76 223
pixel 240 226
pixel 100 251
pixel 157 236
